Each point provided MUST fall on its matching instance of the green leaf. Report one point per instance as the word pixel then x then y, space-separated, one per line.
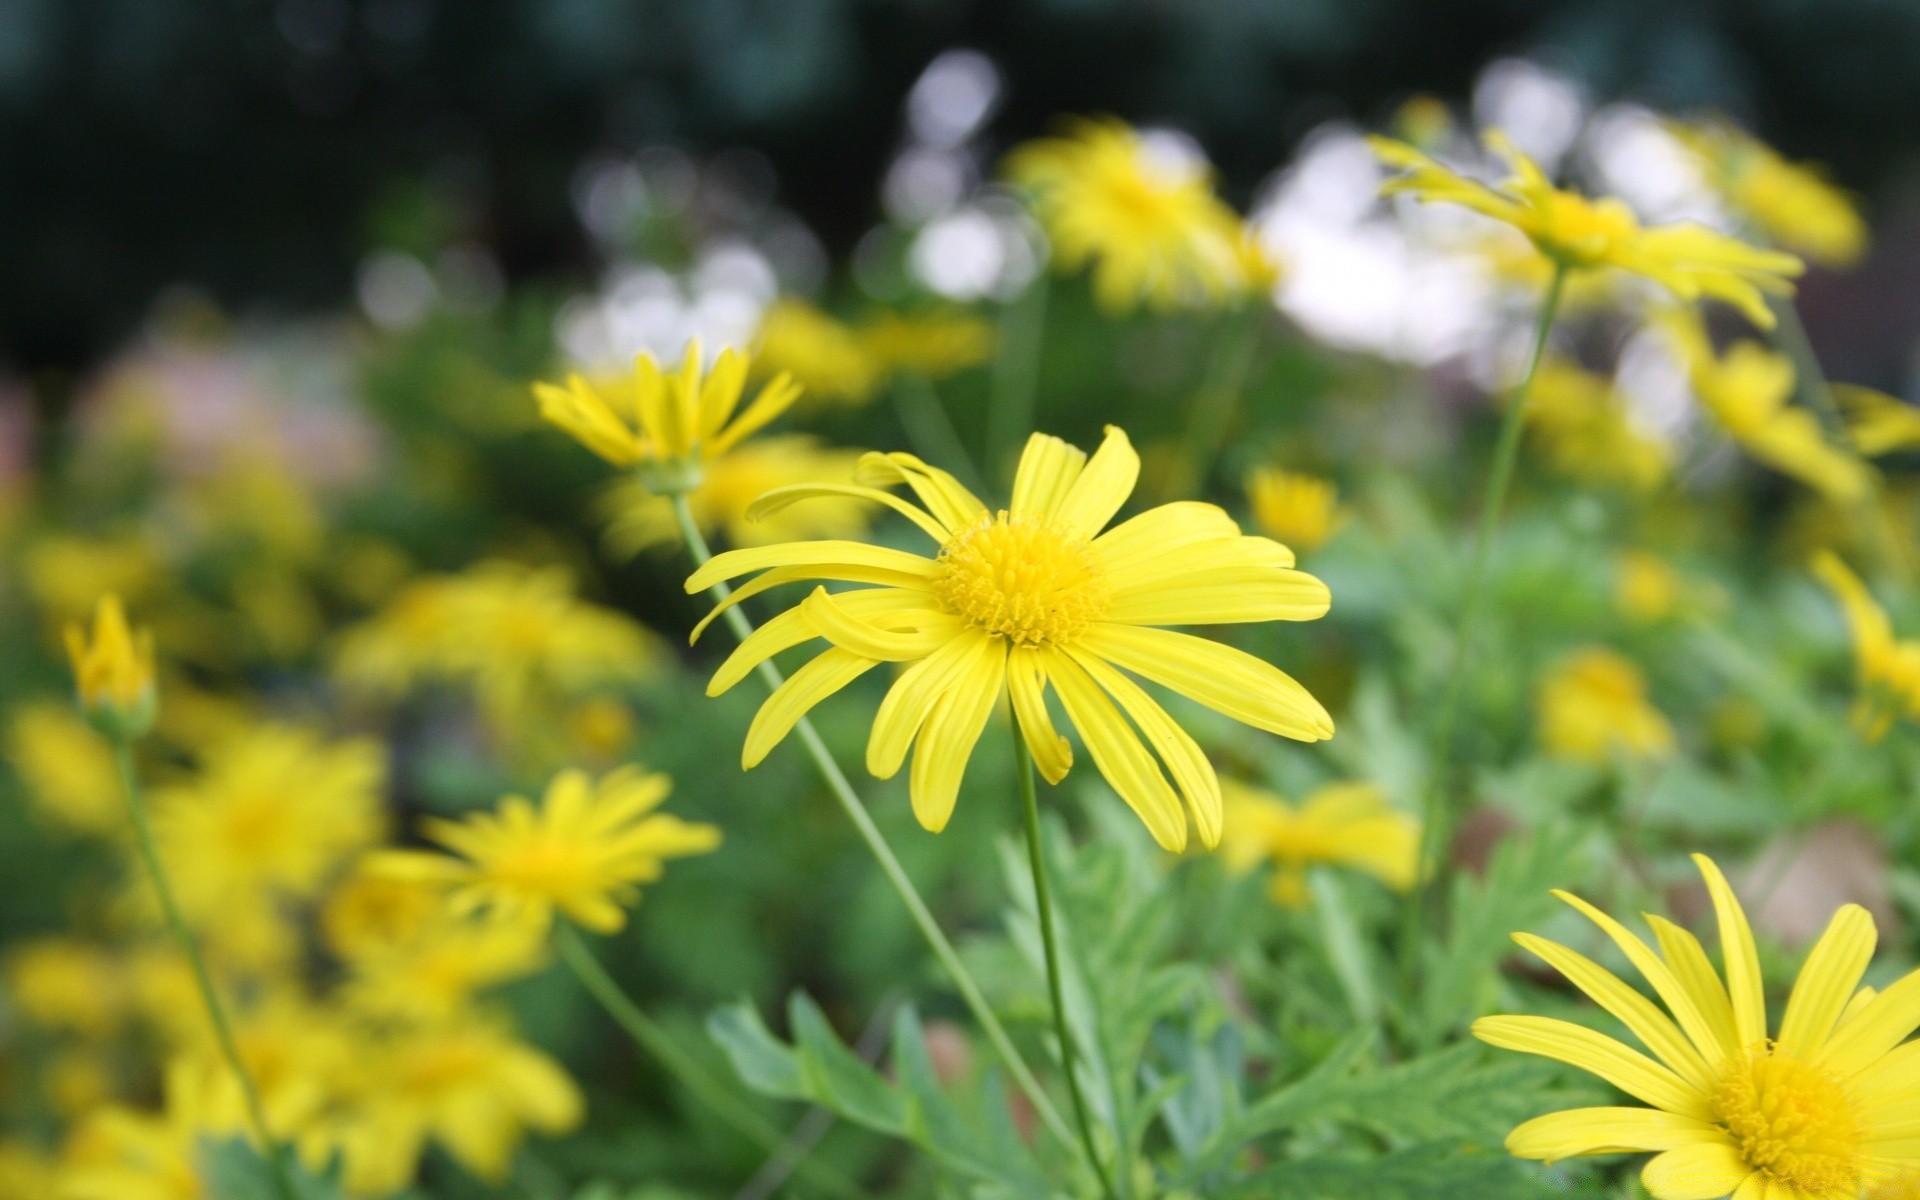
pixel 761 1060
pixel 234 1170
pixel 1419 1173
pixel 837 1077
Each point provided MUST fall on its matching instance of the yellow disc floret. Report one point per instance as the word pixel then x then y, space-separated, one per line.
pixel 1026 579
pixel 1792 1120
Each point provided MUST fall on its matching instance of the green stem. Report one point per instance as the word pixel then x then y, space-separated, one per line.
pixel 930 429
pixel 876 841
pixel 1043 904
pixel 1211 415
pixel 1438 817
pixel 716 1095
pixel 1016 373
pixel 149 850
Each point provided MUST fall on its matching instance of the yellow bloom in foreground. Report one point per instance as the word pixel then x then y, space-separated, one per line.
pixel 1791 203
pixel 1595 705
pixel 1031 595
pixel 113 671
pixel 1299 511
pixel 1341 824
pixel 640 520
pixel 824 356
pixel 1888 668
pixel 1691 261
pixel 1145 217
pixel 66 768
pixel 583 851
pixel 671 421
pixel 1585 430
pixel 1878 423
pixel 1824 1108
pixel 1747 392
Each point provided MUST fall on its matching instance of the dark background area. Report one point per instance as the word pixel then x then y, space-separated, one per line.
pixel 257 148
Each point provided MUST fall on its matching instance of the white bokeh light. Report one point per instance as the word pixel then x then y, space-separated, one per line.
pixel 953 98
pixel 1540 110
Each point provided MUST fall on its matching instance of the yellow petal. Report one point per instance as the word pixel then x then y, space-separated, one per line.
pixel 1701 1171
pixel 780 498
pixel 792 627
pixel 1224 679
pixel 1694 972
pixel 840 573
pixel 1103 486
pixel 1739 957
pixel 1831 972
pixel 1184 759
pixel 1678 998
pixel 775 398
pixel 1596 1053
pixel 1164 531
pixel 947 738
pixel 720 392
pixel 1233 595
pixel 1026 690
pixel 913 696
pixel 1047 470
pixel 845 628
pixel 1884 1023
pixel 1654 1028
pixel 826 674
pixel 1580 1131
pixel 950 503
pixel 1118 754
pixel 824 556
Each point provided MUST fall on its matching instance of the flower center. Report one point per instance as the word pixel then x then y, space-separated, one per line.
pixel 1582 232
pixel 1792 1120
pixel 1022 578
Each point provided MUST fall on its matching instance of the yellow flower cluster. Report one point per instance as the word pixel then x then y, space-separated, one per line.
pixel 1888 667
pixel 1580 234
pixel 1299 511
pixel 1791 204
pixel 1585 431
pixel 1593 705
pixel 1338 825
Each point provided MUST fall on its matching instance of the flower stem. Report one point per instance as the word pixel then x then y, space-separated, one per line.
pixel 896 874
pixel 1210 416
pixel 716 1095
pixel 930 429
pixel 1043 904
pixel 1016 372
pixel 149 851
pixel 1436 831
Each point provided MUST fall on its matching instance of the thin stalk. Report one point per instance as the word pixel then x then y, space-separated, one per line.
pixel 1016 373
pixel 1436 827
pixel 715 1094
pixel 876 841
pixel 931 430
pixel 149 850
pixel 1043 904
pixel 1211 416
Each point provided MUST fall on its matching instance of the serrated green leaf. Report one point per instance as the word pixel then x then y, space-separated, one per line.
pixel 761 1060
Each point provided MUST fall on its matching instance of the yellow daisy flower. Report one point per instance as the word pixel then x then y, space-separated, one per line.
pixel 1793 204
pixel 825 357
pixel 66 769
pixel 1148 222
pixel 1584 429
pixel 1888 667
pixel 1298 510
pixel 122 1153
pixel 1824 1108
pixel 1341 824
pixel 1747 392
pixel 1031 595
pixel 409 957
pixel 638 519
pixel 669 424
pixel 1691 261
pixel 1876 422
pixel 583 851
pixel 113 672
pixel 61 983
pixel 1594 705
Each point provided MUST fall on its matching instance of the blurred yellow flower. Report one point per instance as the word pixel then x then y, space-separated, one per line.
pixel 1691 261
pixel 584 850
pixel 934 344
pixel 256 502
pixel 60 983
pixel 1888 668
pixel 66 768
pixel 26 1171
pixel 270 814
pixel 67 574
pixel 638 519
pixel 1792 204
pixel 826 358
pixel 1338 825
pixel 516 635
pixel 1646 588
pixel 1142 214
pixel 1585 430
pixel 113 671
pixel 122 1153
pixel 601 727
pixel 1029 596
pixel 1594 704
pixel 1878 423
pixel 1747 392
pixel 1803 1114
pixel 409 957
pixel 670 423
pixel 467 1084
pixel 1297 510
